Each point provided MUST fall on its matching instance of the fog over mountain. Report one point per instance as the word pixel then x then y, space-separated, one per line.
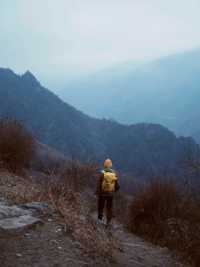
pixel 165 91
pixel 141 149
pixel 82 82
pixel 62 40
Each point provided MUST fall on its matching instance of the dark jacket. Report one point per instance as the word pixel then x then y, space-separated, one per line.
pixel 100 180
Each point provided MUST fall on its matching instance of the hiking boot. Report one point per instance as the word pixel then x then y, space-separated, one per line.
pixel 100 222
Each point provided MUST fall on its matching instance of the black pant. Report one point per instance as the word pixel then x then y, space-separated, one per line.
pixel 108 202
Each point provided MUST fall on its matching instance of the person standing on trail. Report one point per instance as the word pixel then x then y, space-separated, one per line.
pixel 107 185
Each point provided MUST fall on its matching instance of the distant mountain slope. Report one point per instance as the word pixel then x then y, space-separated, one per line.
pixel 165 91
pixel 142 149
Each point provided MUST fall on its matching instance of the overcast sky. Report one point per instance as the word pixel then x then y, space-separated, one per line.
pixel 61 39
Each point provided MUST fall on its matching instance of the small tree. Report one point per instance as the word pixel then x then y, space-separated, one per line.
pixel 16 145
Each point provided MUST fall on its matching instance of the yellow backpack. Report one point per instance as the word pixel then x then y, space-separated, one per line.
pixel 108 183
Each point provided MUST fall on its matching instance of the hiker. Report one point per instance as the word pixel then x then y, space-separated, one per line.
pixel 107 185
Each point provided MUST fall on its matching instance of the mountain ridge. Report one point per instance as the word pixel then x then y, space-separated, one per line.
pixel 141 149
pixel 164 91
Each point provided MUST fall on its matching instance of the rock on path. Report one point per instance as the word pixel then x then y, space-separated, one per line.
pixel 50 246
pixel 15 219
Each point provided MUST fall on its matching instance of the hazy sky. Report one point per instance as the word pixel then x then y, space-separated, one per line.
pixel 59 39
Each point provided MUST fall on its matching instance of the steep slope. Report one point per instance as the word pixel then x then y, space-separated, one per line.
pixel 51 120
pixel 141 149
pixel 165 91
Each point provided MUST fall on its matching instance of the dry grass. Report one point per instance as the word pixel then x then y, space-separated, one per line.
pixel 75 209
pixel 16 145
pixel 77 176
pixel 166 216
pixel 93 239
pixel 19 190
pixel 64 191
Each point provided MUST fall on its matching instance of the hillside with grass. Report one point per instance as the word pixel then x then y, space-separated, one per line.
pixel 48 216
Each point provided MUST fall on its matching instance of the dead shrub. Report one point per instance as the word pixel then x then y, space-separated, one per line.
pixel 74 208
pixel 64 190
pixel 165 215
pixel 152 206
pixel 16 145
pixel 77 176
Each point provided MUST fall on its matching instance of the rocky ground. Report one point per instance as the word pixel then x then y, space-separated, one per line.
pixel 42 244
pixel 41 239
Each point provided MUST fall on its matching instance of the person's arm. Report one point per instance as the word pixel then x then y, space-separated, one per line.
pixel 99 184
pixel 117 186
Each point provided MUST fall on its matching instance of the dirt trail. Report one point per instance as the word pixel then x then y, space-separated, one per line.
pixel 50 244
pixel 138 253
pixel 44 246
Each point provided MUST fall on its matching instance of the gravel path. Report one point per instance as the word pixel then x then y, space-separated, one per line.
pixel 138 253
pixel 44 246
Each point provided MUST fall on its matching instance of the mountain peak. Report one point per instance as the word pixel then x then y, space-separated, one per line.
pixel 7 73
pixel 29 77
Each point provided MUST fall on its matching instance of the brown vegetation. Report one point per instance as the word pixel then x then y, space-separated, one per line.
pixel 75 208
pixel 19 190
pixel 77 176
pixel 168 216
pixel 16 145
pixel 67 192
